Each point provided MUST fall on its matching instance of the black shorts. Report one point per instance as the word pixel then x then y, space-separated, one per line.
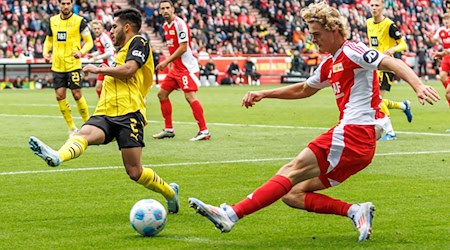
pixel 69 80
pixel 127 129
pixel 386 80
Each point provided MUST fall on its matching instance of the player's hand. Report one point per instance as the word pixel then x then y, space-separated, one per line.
pixel 77 55
pixel 90 68
pixel 427 94
pixel 161 65
pixel 251 98
pixel 389 52
pixel 47 58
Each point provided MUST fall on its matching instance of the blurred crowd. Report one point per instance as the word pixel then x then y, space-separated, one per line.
pixel 221 27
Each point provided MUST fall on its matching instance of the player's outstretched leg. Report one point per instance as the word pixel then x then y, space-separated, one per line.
pixel 217 215
pixel 173 204
pixel 45 152
pixel 362 220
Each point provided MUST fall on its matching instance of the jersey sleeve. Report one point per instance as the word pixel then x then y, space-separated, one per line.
pixel 394 32
pixel 436 35
pixel 49 28
pixel 364 57
pixel 319 79
pixel 83 25
pixel 182 32
pixel 138 51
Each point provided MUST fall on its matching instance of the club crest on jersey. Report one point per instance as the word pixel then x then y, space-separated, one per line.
pixel 182 35
pixel 171 32
pixel 61 36
pixel 370 56
pixel 338 67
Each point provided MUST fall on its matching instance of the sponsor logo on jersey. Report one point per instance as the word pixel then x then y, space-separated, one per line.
pixel 182 35
pixel 61 36
pixel 138 53
pixel 169 43
pixel 370 56
pixel 374 41
pixel 338 67
pixel 446 40
pixel 171 32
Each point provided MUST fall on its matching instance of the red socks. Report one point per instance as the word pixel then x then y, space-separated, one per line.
pixel 323 204
pixel 197 110
pixel 265 195
pixel 166 110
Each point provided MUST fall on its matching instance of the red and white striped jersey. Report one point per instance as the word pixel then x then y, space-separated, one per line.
pixel 176 33
pixel 444 34
pixel 351 73
pixel 105 49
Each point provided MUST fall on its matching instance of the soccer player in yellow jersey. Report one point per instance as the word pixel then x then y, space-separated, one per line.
pixel 63 41
pixel 120 113
pixel 385 37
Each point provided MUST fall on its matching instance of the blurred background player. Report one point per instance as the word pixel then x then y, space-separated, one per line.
pixel 183 74
pixel 63 41
pixel 443 34
pixel 120 113
pixel 105 51
pixel 385 37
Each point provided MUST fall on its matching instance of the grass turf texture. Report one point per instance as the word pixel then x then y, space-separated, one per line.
pixel 44 209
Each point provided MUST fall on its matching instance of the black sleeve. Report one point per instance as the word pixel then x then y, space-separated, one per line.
pixel 49 28
pixel 394 32
pixel 138 51
pixel 83 25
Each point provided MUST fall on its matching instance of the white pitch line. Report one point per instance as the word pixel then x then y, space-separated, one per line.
pixel 199 163
pixel 231 125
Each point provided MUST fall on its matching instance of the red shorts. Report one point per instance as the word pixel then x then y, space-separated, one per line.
pixel 184 80
pixel 100 77
pixel 343 151
pixel 445 64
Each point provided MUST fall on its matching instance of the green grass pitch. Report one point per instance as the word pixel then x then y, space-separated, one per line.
pixel 84 204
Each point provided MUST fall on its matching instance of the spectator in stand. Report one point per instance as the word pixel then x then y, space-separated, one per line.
pixel 251 73
pixel 235 73
pixel 211 72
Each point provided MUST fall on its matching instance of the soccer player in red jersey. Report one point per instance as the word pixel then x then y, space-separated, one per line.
pixel 342 151
pixel 105 51
pixel 443 34
pixel 183 74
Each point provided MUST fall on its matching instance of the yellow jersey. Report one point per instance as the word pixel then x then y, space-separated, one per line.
pixel 64 38
pixel 384 35
pixel 123 96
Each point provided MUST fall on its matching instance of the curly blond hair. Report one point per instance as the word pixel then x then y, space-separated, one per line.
pixel 328 16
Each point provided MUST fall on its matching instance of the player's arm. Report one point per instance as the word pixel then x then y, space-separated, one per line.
pixel 182 48
pixel 424 92
pixel 87 38
pixel 138 53
pixel 294 91
pixel 109 50
pixel 48 43
pixel 395 33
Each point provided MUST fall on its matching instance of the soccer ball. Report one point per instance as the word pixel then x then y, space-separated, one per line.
pixel 148 217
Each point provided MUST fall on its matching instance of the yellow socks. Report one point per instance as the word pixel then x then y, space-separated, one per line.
pixel 83 108
pixel 65 110
pixel 395 105
pixel 152 181
pixel 384 107
pixel 73 148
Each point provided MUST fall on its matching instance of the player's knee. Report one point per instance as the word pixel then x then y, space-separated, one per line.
pixel 294 199
pixel 133 172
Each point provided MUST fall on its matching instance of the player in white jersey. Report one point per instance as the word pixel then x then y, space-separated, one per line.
pixel 183 74
pixel 105 51
pixel 346 148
